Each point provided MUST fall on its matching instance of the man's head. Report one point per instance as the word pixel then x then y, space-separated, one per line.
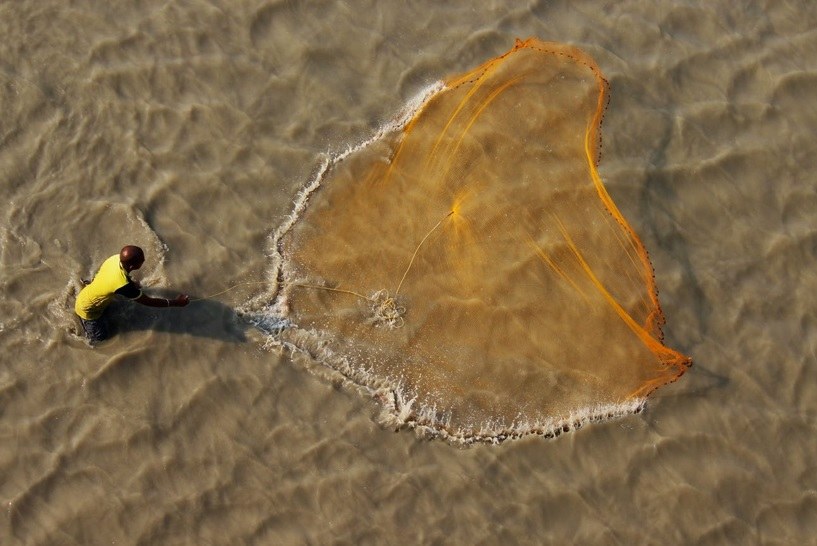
pixel 131 257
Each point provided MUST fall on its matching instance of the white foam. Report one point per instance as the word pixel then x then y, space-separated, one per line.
pixel 426 421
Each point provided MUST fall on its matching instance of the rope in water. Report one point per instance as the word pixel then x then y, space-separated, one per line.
pixel 248 283
pixel 416 250
pixel 330 289
pixel 385 308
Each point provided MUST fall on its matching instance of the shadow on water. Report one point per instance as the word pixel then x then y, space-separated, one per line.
pixel 201 318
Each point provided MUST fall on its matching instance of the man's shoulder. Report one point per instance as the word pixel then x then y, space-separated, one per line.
pixel 130 290
pixel 110 263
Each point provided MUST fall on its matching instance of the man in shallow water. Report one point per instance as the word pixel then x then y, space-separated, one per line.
pixel 113 278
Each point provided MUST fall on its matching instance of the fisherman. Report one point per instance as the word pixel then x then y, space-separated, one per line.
pixel 113 278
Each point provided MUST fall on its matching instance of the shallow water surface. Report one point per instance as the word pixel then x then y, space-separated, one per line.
pixel 188 128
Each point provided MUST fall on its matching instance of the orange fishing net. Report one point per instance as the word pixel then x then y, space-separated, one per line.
pixel 471 267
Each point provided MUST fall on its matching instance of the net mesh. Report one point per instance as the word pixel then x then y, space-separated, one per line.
pixel 473 265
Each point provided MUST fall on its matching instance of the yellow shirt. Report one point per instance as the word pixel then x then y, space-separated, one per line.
pixel 94 298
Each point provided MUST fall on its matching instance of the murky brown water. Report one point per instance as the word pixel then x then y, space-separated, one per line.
pixel 188 128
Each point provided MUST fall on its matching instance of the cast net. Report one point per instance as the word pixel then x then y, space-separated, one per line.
pixel 470 267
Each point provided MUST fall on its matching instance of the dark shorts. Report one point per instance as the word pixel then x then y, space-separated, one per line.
pixel 95 330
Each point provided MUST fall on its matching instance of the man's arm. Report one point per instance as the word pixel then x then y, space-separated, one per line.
pixel 179 301
pixel 133 291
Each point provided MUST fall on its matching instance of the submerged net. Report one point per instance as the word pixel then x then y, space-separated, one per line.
pixel 470 266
